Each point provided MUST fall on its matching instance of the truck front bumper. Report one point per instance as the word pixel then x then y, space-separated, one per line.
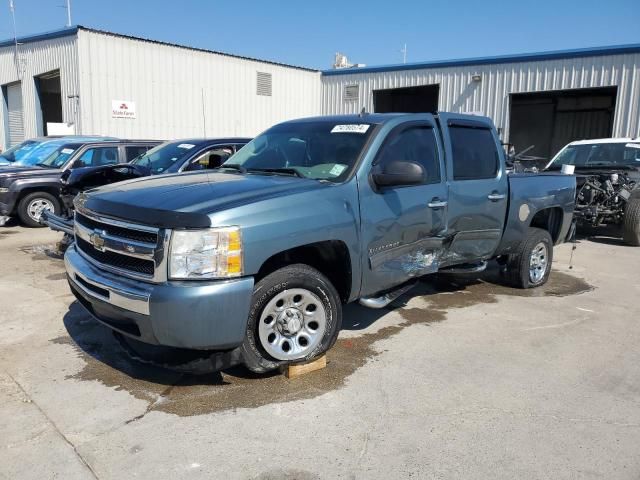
pixel 198 315
pixel 56 223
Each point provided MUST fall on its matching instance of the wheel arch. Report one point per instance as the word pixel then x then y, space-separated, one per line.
pixel 28 189
pixel 549 219
pixel 330 257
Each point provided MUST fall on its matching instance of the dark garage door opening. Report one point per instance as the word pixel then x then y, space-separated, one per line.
pixel 423 99
pixel 550 120
pixel 48 88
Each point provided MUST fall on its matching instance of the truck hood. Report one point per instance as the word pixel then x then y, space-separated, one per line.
pixel 18 172
pixel 186 200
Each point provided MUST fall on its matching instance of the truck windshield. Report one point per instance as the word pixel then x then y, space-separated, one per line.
pixel 47 154
pixel 53 156
pixel 598 155
pixel 159 159
pixel 17 152
pixel 320 150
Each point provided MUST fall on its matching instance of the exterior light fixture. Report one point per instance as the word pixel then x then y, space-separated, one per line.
pixel 476 77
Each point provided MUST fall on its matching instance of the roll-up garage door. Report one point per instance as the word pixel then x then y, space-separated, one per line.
pixel 14 108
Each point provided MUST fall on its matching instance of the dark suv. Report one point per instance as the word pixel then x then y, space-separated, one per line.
pixel 32 185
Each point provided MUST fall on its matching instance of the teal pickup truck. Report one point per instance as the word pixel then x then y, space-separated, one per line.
pixel 257 257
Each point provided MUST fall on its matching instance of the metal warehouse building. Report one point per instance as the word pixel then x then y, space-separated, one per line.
pixel 107 84
pixel 88 81
pixel 543 99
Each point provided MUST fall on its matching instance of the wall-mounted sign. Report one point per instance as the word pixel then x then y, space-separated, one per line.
pixel 54 128
pixel 123 109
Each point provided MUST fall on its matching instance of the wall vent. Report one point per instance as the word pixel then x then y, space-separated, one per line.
pixel 263 84
pixel 351 93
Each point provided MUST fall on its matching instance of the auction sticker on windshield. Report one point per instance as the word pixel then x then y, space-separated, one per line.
pixel 187 146
pixel 361 128
pixel 66 151
pixel 337 169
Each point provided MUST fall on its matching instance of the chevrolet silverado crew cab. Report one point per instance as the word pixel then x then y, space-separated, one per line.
pixel 258 257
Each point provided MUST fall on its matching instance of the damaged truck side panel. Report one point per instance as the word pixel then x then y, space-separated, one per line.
pixel 326 211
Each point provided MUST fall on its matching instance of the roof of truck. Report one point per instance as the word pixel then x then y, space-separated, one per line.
pixel 374 118
pixel 606 140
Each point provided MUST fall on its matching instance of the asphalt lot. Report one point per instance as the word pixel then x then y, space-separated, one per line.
pixel 463 378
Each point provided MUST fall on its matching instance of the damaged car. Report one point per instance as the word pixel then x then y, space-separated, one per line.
pixel 186 155
pixel 256 259
pixel 31 185
pixel 608 183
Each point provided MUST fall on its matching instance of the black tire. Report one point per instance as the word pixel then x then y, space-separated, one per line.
pixel 631 227
pixel 23 207
pixel 518 264
pixel 298 276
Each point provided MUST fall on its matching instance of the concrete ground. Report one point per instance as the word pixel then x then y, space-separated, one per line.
pixel 464 378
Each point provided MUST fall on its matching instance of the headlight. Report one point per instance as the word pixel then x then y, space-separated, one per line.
pixel 210 253
pixel 3 190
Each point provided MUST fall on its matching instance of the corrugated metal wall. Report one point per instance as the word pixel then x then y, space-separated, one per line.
pixel 459 93
pixel 36 58
pixel 181 92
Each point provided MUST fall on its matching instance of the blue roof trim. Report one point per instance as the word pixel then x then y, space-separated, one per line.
pixel 525 57
pixel 65 32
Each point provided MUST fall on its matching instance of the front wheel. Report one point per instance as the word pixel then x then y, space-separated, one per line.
pixel 530 266
pixel 295 316
pixel 32 205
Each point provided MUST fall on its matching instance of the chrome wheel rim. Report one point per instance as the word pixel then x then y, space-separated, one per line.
pixel 538 263
pixel 292 324
pixel 37 206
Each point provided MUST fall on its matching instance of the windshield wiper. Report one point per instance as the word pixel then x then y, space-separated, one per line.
pixel 284 171
pixel 42 165
pixel 234 166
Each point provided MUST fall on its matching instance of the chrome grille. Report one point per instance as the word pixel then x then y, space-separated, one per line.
pixel 128 233
pixel 132 250
pixel 137 265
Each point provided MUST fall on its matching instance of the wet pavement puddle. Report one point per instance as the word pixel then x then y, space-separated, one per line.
pixel 186 395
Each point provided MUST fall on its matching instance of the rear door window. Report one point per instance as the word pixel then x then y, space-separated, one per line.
pixel 475 155
pixel 98 156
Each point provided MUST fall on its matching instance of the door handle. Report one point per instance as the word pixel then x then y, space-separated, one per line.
pixel 494 197
pixel 437 203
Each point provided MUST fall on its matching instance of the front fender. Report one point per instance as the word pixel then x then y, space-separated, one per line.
pixel 274 225
pixel 45 184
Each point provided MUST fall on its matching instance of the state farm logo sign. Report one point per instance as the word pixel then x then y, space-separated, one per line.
pixel 123 109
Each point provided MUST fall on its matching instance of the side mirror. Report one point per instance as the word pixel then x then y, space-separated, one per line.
pixel 399 173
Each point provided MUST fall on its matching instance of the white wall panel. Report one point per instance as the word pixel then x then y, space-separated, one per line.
pixel 36 58
pixel 181 92
pixel 458 93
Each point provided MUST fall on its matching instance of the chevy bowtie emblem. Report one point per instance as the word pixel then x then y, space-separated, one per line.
pixel 97 240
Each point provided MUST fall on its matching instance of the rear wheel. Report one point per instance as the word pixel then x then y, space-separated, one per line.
pixel 530 266
pixel 631 227
pixel 295 316
pixel 32 205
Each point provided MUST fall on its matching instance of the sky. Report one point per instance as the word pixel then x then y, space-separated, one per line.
pixel 373 32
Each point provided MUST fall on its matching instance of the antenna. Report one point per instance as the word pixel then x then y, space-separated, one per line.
pixel 15 38
pixel 67 6
pixel 403 51
pixel 68 13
